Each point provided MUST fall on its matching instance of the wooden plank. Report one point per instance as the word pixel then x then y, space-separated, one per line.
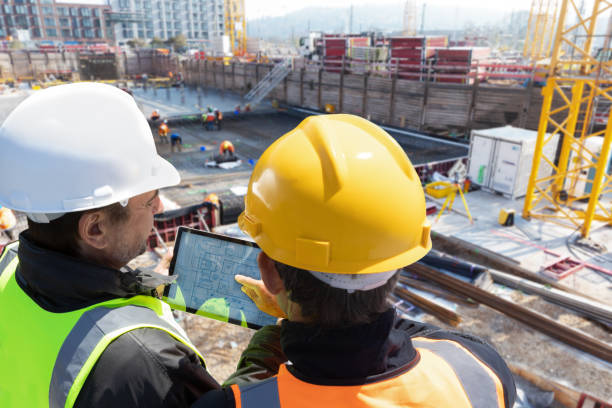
pixel 446 315
pixel 540 322
pixel 586 307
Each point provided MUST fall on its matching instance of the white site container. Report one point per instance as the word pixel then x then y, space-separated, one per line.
pixel 501 159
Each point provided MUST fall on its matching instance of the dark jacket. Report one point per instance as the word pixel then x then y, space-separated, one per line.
pixel 142 368
pixel 347 356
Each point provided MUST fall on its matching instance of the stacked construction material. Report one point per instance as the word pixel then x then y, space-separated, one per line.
pixel 409 55
pixel 452 65
pixel 334 52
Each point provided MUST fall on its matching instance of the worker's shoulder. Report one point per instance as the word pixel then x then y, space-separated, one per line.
pixel 144 367
pixel 145 356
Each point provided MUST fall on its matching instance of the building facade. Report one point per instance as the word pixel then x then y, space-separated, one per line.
pixel 200 21
pixel 48 21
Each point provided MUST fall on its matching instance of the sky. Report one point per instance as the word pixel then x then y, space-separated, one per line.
pixel 272 8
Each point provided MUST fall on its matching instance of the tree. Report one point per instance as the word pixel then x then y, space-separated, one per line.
pixel 177 43
pixel 157 42
pixel 136 43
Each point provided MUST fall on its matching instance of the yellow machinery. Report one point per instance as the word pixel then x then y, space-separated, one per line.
pixel 540 29
pixel 575 84
pixel 235 26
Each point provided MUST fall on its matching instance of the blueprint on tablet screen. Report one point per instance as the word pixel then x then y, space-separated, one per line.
pixel 206 267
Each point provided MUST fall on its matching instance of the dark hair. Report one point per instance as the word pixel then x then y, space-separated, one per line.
pixel 332 307
pixel 62 234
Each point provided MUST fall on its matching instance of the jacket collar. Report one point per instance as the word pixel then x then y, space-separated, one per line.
pixel 356 352
pixel 60 283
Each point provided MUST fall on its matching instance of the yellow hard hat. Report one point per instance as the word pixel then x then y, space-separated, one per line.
pixel 337 194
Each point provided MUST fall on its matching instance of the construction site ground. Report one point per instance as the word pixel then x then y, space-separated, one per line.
pixel 222 343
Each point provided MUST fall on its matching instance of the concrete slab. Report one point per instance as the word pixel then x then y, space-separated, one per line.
pixel 532 243
pixel 177 101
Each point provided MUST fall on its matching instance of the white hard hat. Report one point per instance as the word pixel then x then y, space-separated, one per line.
pixel 77 147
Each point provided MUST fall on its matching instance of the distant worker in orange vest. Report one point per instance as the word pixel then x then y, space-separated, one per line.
pixel 327 271
pixel 162 131
pixel 218 118
pixel 154 115
pixel 226 148
pixel 209 118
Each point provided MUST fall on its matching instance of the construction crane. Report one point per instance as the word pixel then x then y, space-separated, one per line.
pixel 540 30
pixel 569 187
pixel 235 26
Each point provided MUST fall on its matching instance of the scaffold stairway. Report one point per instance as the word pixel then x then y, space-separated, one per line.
pixel 269 82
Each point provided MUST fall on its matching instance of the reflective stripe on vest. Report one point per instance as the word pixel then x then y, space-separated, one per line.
pixel 480 384
pixel 260 394
pixel 96 329
pixel 446 375
pixel 8 254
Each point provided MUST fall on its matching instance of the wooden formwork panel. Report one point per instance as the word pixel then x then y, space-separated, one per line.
pixel 409 87
pixel 330 79
pixel 293 93
pixel 352 101
pixel 378 106
pixel 354 81
pixel 379 84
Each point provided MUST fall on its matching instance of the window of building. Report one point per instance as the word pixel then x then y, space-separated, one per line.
pixel 34 21
pixel 51 32
pixel 99 33
pixel 21 10
pixel 21 21
pixel 75 22
pixel 46 1
pixel 49 22
pixel 7 9
pixel 110 33
pixel 149 25
pixel 140 34
pixel 177 24
pixel 2 32
pixel 46 10
pixel 96 12
pixel 35 32
pixel 19 1
pixel 74 12
pixel 88 33
pixel 33 10
pixel 124 4
pixel 85 12
pixel 87 22
pixel 62 11
pixel 76 32
pixel 97 23
pixel 66 33
pixel 64 22
pixel 150 34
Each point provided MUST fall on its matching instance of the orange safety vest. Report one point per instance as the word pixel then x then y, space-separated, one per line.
pixel 446 374
pixel 163 129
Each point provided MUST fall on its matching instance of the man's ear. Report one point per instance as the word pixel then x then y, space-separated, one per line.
pixel 91 231
pixel 269 274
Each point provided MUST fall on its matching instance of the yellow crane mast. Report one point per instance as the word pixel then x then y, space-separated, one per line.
pixel 578 192
pixel 235 26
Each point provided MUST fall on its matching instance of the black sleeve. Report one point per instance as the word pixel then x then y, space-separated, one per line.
pixel 486 353
pixel 146 368
pixel 223 398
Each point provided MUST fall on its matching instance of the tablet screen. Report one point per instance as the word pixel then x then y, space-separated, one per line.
pixel 206 264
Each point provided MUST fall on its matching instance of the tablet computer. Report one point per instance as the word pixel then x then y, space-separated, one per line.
pixel 205 265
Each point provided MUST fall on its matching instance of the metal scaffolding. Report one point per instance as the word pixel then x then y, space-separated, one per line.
pixel 579 81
